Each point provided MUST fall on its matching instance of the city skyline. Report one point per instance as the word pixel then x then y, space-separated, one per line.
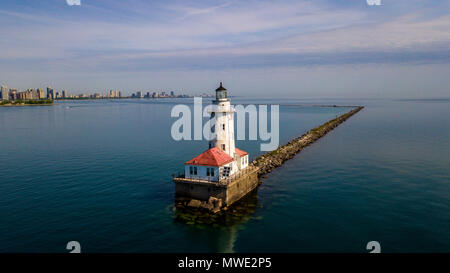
pixel 292 48
pixel 13 94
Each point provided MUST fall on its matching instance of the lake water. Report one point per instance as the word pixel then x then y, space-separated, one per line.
pixel 99 172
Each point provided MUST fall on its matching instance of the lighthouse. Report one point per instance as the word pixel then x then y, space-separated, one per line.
pixel 221 175
pixel 222 159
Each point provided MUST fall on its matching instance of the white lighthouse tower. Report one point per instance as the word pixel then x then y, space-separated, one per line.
pixel 222 159
pixel 224 126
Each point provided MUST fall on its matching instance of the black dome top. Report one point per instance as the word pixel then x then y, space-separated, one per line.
pixel 220 87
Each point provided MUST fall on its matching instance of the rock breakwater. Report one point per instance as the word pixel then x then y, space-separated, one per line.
pixel 271 160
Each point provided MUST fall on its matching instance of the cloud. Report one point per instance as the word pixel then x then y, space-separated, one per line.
pixel 222 30
pixel 106 38
pixel 185 28
pixel 405 40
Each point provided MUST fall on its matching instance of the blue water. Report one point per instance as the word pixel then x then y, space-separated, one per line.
pixel 99 172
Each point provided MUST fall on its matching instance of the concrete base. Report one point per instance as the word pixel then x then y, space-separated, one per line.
pixel 215 195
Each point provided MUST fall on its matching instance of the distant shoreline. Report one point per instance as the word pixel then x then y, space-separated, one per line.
pixel 168 98
pixel 26 103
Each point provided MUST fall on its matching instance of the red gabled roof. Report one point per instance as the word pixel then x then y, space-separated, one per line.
pixel 212 157
pixel 240 152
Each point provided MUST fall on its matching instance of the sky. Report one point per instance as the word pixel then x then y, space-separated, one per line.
pixel 265 48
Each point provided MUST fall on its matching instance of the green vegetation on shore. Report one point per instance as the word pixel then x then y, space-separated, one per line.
pixel 25 102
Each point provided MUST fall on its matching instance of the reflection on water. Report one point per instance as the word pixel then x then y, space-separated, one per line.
pixel 226 222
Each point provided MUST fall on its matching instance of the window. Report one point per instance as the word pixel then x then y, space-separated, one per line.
pixel 195 170
pixel 190 170
pixel 226 171
pixel 223 147
pixel 223 126
pixel 209 171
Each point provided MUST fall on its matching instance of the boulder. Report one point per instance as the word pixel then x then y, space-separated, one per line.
pixel 194 203
pixel 215 202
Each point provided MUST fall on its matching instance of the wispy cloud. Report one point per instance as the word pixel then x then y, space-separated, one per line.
pixel 186 28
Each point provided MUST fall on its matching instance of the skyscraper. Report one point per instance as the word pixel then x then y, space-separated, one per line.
pixel 50 93
pixel 4 93
pixel 13 94
pixel 41 94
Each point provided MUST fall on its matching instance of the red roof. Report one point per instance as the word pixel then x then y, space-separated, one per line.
pixel 240 152
pixel 212 157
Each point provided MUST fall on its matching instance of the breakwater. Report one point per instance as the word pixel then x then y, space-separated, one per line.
pixel 271 160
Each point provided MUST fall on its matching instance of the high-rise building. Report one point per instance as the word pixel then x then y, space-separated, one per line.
pixel 97 96
pixel 63 94
pixel 33 94
pixel 4 93
pixel 172 94
pixel 119 94
pixel 50 93
pixel 29 94
pixel 13 94
pixel 112 94
pixel 41 94
pixel 139 94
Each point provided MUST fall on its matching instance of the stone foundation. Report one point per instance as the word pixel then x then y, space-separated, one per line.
pixel 214 196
